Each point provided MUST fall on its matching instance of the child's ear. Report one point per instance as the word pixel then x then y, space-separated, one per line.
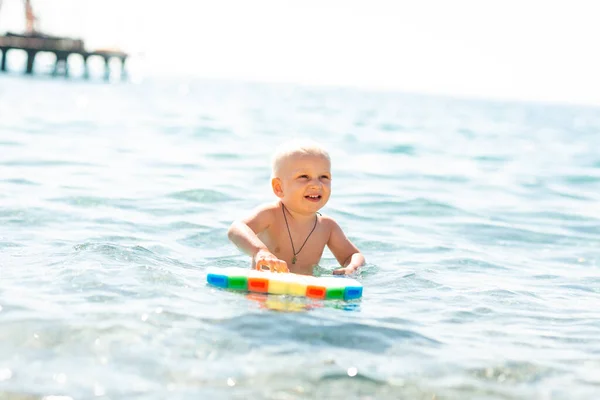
pixel 276 185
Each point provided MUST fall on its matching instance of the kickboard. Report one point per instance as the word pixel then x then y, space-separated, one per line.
pixel 249 280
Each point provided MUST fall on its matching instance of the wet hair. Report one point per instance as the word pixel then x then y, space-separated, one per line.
pixel 295 147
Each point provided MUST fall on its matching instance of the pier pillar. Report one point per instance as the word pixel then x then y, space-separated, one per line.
pixel 86 68
pixel 3 59
pixel 61 63
pixel 30 59
pixel 106 68
pixel 123 70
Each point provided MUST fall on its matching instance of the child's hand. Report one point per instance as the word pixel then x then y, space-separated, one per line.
pixel 267 259
pixel 349 270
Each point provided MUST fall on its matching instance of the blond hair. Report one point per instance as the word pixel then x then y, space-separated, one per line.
pixel 295 147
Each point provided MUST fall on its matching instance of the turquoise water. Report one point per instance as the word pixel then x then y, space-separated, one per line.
pixel 479 221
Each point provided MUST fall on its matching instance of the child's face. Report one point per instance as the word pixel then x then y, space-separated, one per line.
pixel 304 182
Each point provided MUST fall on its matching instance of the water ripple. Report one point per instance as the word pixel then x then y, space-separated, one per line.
pixel 202 196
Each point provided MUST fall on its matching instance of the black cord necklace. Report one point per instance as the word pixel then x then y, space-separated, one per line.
pixel 294 259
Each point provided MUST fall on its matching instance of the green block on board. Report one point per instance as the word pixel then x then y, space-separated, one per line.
pixel 238 283
pixel 335 293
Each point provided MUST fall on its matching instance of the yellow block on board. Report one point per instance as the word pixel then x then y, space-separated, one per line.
pixel 299 285
pixel 291 284
pixel 297 288
pixel 278 284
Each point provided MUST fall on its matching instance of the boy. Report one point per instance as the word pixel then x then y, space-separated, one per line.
pixel 290 234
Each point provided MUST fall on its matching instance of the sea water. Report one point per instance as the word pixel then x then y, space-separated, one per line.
pixel 479 220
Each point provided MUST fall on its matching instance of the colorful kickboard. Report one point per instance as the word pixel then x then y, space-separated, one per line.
pixel 245 279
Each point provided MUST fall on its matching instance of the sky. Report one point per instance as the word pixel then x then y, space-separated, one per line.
pixel 511 49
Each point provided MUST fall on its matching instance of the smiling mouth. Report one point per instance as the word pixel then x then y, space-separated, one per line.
pixel 313 197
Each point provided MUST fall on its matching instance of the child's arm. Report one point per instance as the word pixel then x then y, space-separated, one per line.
pixel 344 251
pixel 243 234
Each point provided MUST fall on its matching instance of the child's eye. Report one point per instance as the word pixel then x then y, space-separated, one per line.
pixel 325 177
pixel 303 176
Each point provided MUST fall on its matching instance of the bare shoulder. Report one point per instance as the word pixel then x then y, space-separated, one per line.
pixel 329 223
pixel 261 217
pixel 267 208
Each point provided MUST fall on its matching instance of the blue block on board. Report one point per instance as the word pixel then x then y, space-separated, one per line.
pixel 217 280
pixel 353 292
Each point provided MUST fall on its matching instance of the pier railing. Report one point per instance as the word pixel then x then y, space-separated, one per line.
pixel 42 43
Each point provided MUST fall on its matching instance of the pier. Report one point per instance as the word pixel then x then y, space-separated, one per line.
pixel 62 48
pixel 34 42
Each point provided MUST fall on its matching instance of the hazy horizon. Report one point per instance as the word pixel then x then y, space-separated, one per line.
pixel 511 50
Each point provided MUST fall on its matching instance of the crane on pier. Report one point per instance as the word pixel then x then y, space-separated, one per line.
pixel 31 21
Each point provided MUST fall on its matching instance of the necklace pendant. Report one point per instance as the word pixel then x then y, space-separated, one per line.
pixel 294 260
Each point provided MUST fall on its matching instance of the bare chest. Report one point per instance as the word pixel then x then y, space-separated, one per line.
pixel 300 247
